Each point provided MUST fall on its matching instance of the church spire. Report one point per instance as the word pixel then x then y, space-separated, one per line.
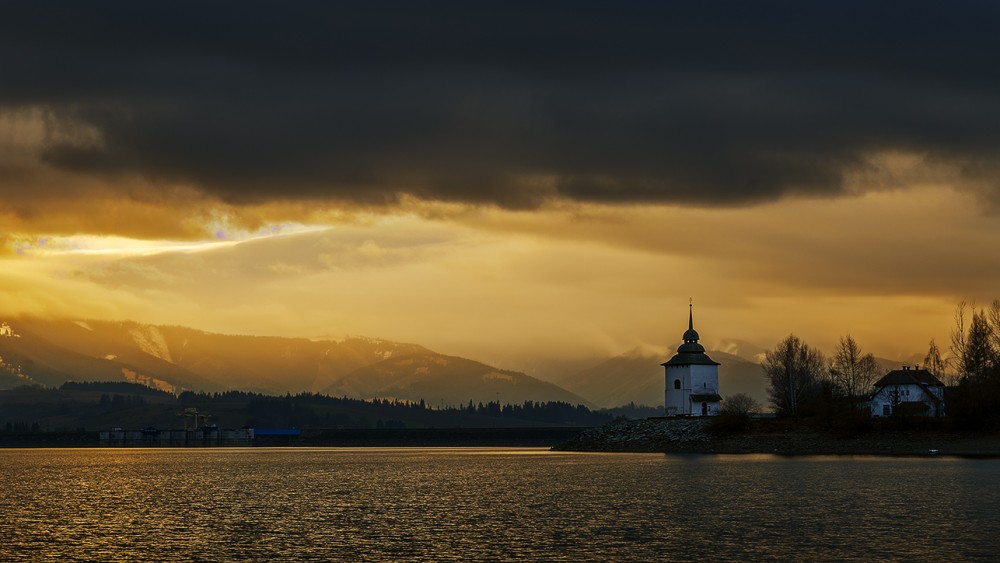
pixel 691 352
pixel 690 335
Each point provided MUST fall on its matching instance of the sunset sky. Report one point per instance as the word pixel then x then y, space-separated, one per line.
pixel 504 180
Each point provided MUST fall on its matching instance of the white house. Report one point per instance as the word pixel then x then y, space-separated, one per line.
pixel 691 378
pixel 909 390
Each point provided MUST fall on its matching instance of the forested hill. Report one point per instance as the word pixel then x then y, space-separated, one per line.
pixel 101 405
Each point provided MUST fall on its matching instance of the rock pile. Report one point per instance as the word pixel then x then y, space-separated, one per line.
pixel 649 435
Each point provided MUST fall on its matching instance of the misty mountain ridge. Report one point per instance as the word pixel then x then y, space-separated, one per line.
pixel 450 380
pixel 49 352
pixel 173 359
pixel 735 347
pixel 636 376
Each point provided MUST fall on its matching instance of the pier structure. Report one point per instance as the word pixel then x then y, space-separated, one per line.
pixel 207 436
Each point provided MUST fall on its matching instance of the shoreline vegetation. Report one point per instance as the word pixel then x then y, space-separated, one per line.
pixel 542 436
pixel 777 436
pixel 651 435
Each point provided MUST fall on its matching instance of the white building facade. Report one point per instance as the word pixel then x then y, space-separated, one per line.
pixel 691 379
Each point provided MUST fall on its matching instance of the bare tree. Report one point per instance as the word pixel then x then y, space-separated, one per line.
pixel 853 371
pixel 976 357
pixel 976 347
pixel 934 363
pixel 993 317
pixel 958 334
pixel 740 404
pixel 793 371
pixel 895 397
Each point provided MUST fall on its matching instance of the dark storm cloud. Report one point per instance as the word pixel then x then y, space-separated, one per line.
pixel 707 102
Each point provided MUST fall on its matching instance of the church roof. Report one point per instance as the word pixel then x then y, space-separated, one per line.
pixel 706 397
pixel 690 352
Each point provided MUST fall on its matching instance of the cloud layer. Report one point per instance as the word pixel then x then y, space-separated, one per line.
pixel 516 104
pixel 517 176
pixel 887 268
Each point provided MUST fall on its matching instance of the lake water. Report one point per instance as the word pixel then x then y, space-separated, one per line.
pixel 490 504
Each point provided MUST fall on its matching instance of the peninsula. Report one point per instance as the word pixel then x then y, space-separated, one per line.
pixel 769 436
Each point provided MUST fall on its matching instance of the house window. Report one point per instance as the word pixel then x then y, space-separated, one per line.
pixel 677 384
pixel 886 410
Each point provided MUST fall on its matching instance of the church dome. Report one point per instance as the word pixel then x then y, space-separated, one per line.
pixel 691 352
pixel 690 347
pixel 691 335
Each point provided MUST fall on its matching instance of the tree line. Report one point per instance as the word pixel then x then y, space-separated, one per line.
pixel 802 382
pixel 77 405
pixel 800 378
pixel 975 345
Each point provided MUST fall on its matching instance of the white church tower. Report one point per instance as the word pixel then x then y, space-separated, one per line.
pixel 692 378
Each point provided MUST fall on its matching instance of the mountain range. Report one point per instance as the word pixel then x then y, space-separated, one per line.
pixel 49 352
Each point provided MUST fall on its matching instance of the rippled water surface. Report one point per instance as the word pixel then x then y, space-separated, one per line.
pixel 440 504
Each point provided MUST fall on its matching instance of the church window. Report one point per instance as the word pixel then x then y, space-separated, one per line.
pixel 677 384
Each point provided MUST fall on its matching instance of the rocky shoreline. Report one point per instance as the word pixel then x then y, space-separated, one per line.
pixel 693 435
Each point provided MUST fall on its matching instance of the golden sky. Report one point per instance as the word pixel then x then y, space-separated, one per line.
pixel 558 185
pixel 573 280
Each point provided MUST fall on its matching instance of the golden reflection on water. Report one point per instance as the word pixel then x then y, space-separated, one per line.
pixel 488 504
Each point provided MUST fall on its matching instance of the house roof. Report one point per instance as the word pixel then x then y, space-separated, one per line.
pixel 907 377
